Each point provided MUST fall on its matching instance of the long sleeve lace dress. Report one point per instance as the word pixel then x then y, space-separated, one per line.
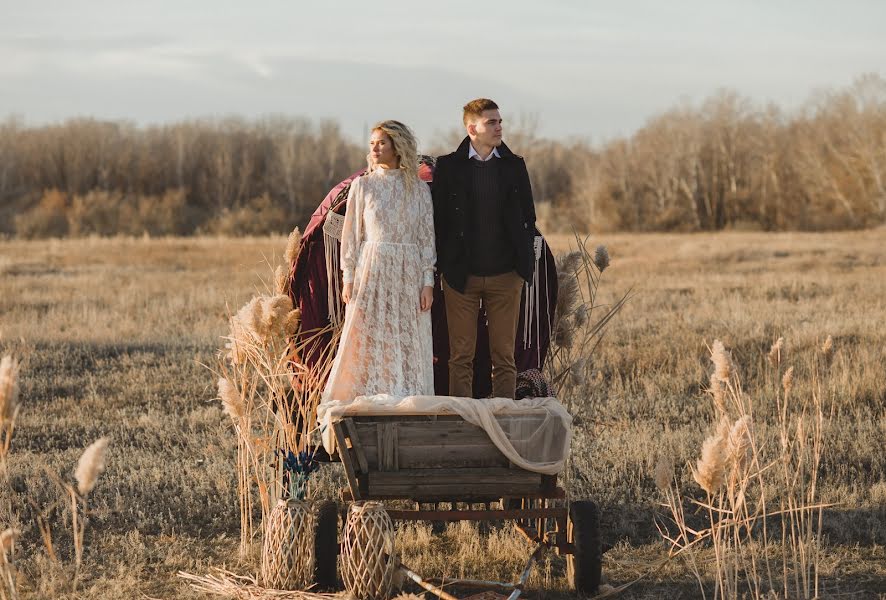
pixel 388 253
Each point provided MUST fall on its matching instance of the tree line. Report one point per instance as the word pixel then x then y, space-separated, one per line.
pixel 723 164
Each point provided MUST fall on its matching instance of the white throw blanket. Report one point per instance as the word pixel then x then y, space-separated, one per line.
pixel 541 448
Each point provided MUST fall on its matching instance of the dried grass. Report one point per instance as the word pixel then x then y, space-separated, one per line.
pixel 640 401
pixel 601 258
pixel 231 399
pixel 7 539
pixel 86 473
pixel 244 587
pixel 775 352
pixel 9 371
pixel 664 473
pixel 91 465
pixel 710 473
pixel 268 390
pixel 9 405
pixel 579 321
pixel 751 490
pixel 293 246
pixel 281 281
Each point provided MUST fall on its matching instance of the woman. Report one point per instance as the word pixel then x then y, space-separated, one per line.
pixel 387 264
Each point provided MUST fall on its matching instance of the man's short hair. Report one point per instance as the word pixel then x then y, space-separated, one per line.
pixel 474 109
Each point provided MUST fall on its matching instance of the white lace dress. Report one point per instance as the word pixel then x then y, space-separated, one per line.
pixel 388 253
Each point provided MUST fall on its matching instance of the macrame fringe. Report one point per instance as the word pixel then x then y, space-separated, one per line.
pixel 332 232
pixel 532 301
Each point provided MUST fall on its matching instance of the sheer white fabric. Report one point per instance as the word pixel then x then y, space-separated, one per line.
pixel 388 253
pixel 533 433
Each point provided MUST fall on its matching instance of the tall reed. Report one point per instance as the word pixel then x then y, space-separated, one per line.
pixel 761 529
pixel 9 406
pixel 580 321
pixel 268 389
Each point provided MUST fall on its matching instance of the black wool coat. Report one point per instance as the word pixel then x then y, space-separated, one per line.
pixel 452 197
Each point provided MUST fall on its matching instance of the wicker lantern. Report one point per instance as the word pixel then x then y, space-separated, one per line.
pixel 368 560
pixel 287 558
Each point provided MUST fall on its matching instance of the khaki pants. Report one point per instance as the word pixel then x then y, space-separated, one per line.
pixel 501 298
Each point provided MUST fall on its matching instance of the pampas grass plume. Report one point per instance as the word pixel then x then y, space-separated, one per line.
pixel 9 370
pixel 293 321
pixel 788 380
pixel 578 373
pixel 564 335
pixel 739 441
pixel 247 323
pixel 567 297
pixel 711 467
pixel 293 245
pixel 274 312
pixel 569 263
pixel 231 399
pixel 722 361
pixel 281 281
pixel 601 257
pixel 91 465
pixel 718 392
pixel 776 352
pixel 581 315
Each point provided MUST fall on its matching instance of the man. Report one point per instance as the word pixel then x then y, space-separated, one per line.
pixel 485 229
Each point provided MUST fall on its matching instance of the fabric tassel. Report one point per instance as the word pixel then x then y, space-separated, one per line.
pixel 532 301
pixel 332 232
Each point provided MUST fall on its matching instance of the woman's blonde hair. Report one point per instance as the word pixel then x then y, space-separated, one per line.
pixel 405 148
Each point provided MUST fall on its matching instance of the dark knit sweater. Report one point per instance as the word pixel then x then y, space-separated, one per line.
pixel 490 250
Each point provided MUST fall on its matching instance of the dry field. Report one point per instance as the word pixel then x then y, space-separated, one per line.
pixel 112 334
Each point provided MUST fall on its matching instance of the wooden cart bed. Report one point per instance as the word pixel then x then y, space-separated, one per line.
pixel 431 458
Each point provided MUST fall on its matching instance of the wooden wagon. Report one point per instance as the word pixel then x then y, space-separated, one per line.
pixel 442 459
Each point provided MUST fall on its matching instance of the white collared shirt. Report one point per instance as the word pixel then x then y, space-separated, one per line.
pixel 474 154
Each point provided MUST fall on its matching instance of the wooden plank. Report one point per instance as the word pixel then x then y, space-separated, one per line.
pixel 485 495
pixel 446 484
pixel 346 459
pixel 355 445
pixel 442 456
pixel 495 475
pixel 476 515
pixel 371 454
pixel 442 434
pixel 430 457
pixel 539 414
pixel 439 492
pixel 429 433
pixel 387 446
pixel 367 433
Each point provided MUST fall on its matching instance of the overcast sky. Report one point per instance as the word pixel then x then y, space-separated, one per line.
pixel 584 68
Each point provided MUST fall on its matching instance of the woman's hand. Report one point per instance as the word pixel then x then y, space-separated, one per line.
pixel 426 299
pixel 346 292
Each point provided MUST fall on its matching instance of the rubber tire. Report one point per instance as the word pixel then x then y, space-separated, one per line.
pixel 584 568
pixel 326 545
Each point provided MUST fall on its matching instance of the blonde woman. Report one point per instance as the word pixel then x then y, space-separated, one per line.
pixel 387 263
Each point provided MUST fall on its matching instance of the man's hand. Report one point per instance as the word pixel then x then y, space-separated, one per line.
pixel 346 292
pixel 426 299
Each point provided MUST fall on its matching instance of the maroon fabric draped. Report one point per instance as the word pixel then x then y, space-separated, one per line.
pixel 309 286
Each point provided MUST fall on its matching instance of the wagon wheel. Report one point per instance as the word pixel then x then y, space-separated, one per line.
pixel 326 545
pixel 584 565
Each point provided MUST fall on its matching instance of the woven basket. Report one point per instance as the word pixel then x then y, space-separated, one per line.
pixel 287 557
pixel 368 559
